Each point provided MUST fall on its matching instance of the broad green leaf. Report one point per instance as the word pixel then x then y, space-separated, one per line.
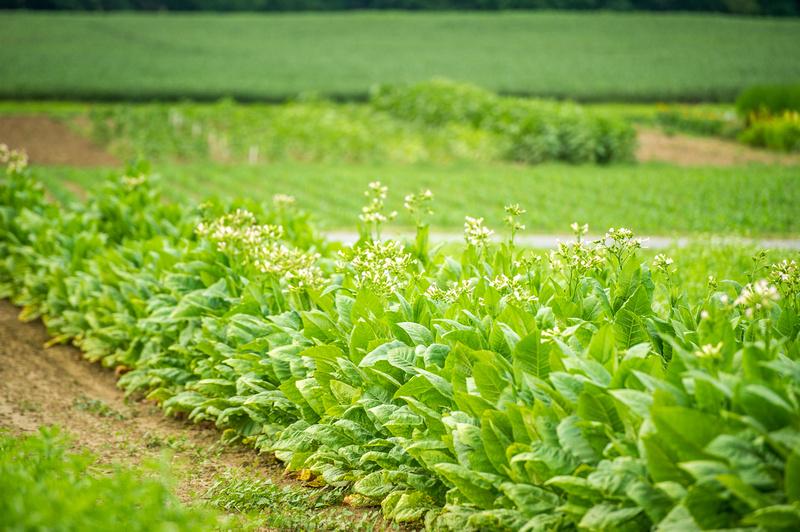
pixel 573 440
pixel 531 356
pixel 474 487
pixel 777 517
pixel 791 479
pixel 629 329
pixel 608 517
pixel 489 381
pixel 686 431
pixel 595 405
pixel 417 334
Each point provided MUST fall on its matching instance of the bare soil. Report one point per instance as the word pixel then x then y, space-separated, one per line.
pixel 50 142
pixel 56 386
pixel 686 150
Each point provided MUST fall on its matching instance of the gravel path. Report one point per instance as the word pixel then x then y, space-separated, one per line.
pixel 551 241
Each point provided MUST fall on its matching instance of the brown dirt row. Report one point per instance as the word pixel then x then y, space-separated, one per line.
pixel 50 142
pixel 685 150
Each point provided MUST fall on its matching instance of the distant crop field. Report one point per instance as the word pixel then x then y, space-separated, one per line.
pixel 652 199
pixel 588 56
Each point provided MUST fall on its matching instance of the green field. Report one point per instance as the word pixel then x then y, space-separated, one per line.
pixel 654 199
pixel 587 56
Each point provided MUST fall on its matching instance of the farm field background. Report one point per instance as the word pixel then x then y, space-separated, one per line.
pixel 588 56
pixel 652 199
pixel 324 153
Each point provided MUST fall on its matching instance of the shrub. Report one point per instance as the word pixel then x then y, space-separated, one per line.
pixel 768 99
pixel 780 133
pixel 535 130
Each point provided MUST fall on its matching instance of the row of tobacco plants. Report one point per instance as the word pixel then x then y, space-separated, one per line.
pixel 491 388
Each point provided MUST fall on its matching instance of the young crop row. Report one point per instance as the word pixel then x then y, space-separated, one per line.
pixel 488 389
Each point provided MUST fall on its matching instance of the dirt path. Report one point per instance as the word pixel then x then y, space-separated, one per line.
pixel 48 141
pixel 686 150
pixel 56 386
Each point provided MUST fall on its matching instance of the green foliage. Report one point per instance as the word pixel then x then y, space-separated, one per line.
pixel 96 406
pixel 779 132
pixel 533 131
pixel 653 199
pixel 768 99
pixel 404 125
pixel 488 389
pixel 260 503
pixel 772 113
pixel 588 56
pixel 45 486
pixel 307 130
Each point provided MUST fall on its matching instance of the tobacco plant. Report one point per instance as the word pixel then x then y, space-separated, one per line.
pixel 488 388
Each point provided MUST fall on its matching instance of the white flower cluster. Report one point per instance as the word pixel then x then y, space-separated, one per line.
pixel 577 257
pixel 757 296
pixel 527 262
pixel 579 230
pixel 513 212
pixel 132 182
pixel 381 266
pixel 453 292
pixel 786 275
pixel 710 351
pixel 418 203
pixel 14 160
pixel 475 233
pixel 620 242
pixel 513 289
pixel 662 263
pixel 238 232
pixel 283 201
pixel 298 268
pixel 372 212
pixel 551 334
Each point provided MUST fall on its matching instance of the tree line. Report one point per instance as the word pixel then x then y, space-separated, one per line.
pixel 745 7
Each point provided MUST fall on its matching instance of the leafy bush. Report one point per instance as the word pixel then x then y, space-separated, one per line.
pixel 768 99
pixel 489 389
pixel 44 486
pixel 534 131
pixel 780 132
